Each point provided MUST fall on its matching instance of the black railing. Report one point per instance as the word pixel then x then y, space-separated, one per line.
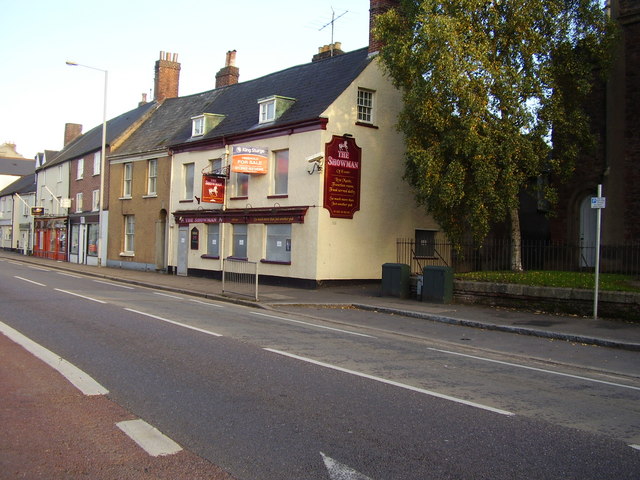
pixel 495 255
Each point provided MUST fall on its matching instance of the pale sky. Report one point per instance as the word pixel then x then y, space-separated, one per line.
pixel 39 93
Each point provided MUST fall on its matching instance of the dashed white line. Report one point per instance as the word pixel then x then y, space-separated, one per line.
pixel 30 281
pixel 81 296
pixel 173 322
pixel 77 377
pixel 312 324
pixel 149 438
pixel 393 383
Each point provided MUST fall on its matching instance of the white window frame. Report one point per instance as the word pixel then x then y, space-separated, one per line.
pixel 78 202
pixel 97 165
pixel 80 169
pixel 95 200
pixel 197 126
pixel 267 110
pixel 129 233
pixel 152 177
pixel 127 179
pixel 365 105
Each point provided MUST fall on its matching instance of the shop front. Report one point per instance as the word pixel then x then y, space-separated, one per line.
pixel 84 232
pixel 51 238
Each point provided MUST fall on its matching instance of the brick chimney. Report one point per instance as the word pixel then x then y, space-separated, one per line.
pixel 328 51
pixel 143 101
pixel 378 7
pixel 167 76
pixel 230 74
pixel 71 132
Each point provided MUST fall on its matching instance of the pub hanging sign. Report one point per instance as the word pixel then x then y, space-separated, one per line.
pixel 342 177
pixel 213 188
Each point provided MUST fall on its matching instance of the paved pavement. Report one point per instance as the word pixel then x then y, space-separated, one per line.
pixel 607 333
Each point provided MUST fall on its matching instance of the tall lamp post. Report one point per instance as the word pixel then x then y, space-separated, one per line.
pixel 102 228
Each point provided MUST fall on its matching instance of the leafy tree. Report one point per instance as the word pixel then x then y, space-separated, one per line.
pixel 486 85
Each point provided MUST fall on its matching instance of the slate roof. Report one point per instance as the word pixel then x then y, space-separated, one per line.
pixel 314 86
pixel 92 140
pixel 25 184
pixel 156 132
pixel 16 166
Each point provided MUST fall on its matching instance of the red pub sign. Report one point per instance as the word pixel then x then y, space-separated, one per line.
pixel 213 188
pixel 342 177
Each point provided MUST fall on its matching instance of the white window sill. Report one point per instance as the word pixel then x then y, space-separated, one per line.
pixel 127 254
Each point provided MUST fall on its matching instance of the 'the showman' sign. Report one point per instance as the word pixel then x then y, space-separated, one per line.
pixel 342 177
pixel 213 188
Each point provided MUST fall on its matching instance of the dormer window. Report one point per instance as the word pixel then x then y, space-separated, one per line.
pixel 203 124
pixel 272 108
pixel 198 126
pixel 268 111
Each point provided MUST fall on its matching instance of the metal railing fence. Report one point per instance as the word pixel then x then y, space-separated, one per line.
pixel 240 277
pixel 495 255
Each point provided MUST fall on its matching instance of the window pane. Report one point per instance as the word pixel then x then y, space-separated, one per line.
pixel 152 177
pixel 281 173
pixel 129 231
pixel 213 239
pixel 92 241
pixel 239 241
pixel 279 243
pixel 188 181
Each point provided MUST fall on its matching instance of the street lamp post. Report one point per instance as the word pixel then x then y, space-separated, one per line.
pixel 102 228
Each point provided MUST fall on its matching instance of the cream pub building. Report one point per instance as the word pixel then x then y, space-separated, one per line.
pixel 302 172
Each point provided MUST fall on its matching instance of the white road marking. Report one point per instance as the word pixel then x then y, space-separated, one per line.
pixel 149 438
pixel 167 295
pixel 173 322
pixel 393 383
pixel 206 303
pixel 339 471
pixel 635 447
pixel 81 296
pixel 38 268
pixel 30 281
pixel 115 284
pixel 312 325
pixel 535 369
pixel 69 275
pixel 77 377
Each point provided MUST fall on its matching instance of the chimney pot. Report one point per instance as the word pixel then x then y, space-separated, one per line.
pixel 167 76
pixel 229 74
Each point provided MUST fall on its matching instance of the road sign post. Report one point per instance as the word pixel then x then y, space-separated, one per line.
pixel 598 203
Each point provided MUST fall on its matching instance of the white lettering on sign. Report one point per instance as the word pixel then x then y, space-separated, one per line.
pixel 598 202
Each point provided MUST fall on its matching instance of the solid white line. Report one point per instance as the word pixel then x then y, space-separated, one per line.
pixel 38 268
pixel 149 438
pixel 78 295
pixel 312 325
pixel 542 370
pixel 115 285
pixel 206 303
pixel 77 377
pixel 69 275
pixel 391 382
pixel 167 295
pixel 635 447
pixel 30 281
pixel 201 330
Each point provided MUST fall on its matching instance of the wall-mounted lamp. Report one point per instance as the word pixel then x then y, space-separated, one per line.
pixel 316 162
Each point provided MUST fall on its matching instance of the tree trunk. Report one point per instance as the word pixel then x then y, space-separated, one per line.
pixel 516 242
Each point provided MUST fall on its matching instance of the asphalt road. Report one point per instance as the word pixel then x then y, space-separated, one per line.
pixel 281 395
